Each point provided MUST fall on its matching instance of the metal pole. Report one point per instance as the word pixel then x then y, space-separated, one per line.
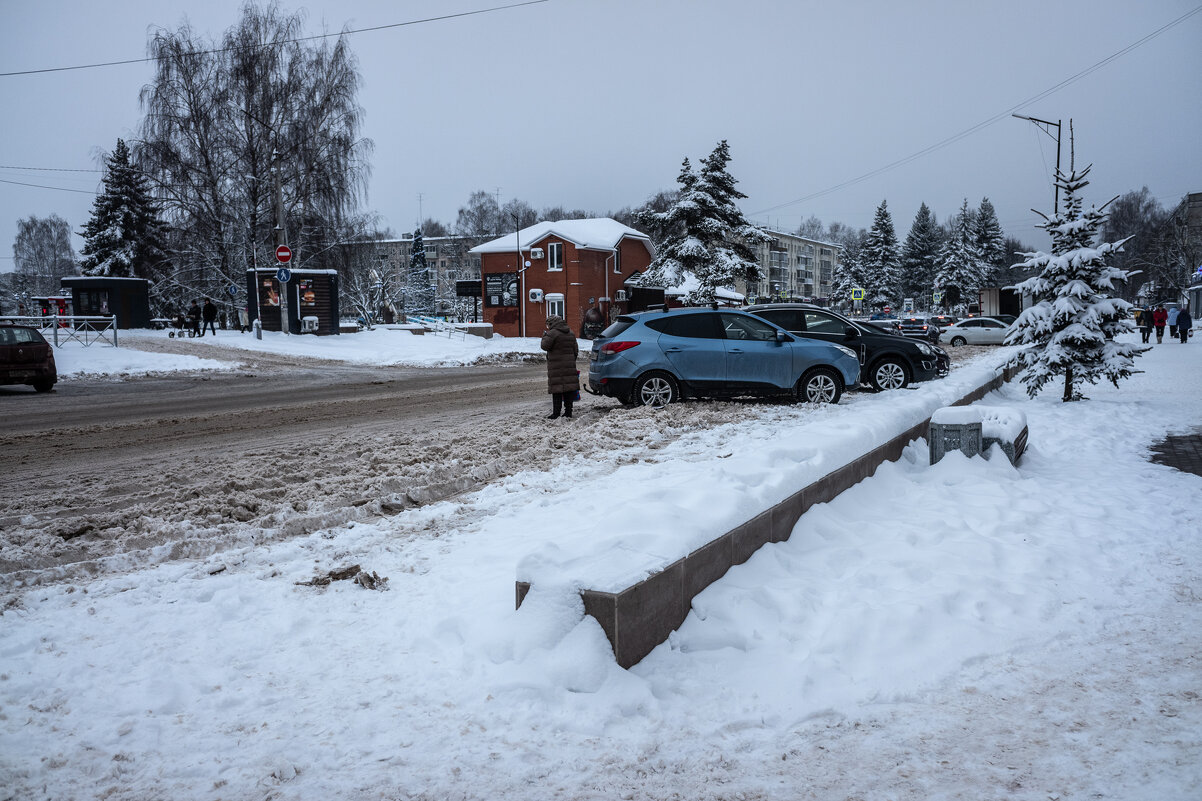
pixel 279 234
pixel 1046 126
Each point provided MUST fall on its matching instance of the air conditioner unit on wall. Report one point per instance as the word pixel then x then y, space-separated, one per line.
pixel 620 296
pixel 536 296
pixel 536 253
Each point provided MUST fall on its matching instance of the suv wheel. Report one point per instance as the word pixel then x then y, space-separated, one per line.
pixel 820 385
pixel 958 341
pixel 656 390
pixel 43 385
pixel 889 374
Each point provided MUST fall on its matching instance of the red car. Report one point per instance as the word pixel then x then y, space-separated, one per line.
pixel 26 358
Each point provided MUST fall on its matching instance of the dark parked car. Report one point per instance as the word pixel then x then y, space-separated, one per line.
pixel 26 358
pixel 919 328
pixel 887 361
pixel 653 358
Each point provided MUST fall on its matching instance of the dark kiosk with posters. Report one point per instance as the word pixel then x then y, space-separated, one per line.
pixel 127 299
pixel 312 300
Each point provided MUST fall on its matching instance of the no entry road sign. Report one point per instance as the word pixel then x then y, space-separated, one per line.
pixel 283 254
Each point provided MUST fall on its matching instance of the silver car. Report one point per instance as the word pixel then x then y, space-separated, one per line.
pixel 976 331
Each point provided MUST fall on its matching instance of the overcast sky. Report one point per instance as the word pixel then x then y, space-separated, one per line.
pixel 593 104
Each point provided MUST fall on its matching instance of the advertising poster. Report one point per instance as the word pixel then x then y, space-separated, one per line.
pixel 308 296
pixel 501 289
pixel 268 295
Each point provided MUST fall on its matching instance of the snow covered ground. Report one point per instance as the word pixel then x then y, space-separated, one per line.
pixel 380 346
pixel 963 630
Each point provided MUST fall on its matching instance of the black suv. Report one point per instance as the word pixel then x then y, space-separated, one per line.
pixel 920 328
pixel 887 361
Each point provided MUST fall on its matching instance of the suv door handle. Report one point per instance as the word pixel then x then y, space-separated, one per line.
pixel 734 350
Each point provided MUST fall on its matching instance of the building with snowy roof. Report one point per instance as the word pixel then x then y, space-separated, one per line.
pixel 566 268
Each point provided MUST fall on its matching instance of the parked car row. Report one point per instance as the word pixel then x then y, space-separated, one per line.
pixel 812 354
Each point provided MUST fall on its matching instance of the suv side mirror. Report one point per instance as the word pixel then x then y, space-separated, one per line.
pixel 851 332
pixel 781 336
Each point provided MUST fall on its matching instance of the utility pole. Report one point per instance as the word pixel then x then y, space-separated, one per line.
pixel 279 234
pixel 1047 127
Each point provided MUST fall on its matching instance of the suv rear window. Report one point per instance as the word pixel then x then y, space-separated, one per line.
pixel 618 326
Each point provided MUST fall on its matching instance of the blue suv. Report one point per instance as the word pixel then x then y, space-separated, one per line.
pixel 657 357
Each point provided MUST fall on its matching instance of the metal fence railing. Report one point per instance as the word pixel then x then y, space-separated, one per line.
pixel 63 328
pixel 438 326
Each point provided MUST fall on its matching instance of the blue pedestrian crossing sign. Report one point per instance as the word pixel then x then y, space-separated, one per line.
pixel 283 275
pixel 232 289
pixel 857 293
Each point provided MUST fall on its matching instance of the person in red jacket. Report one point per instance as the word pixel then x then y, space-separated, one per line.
pixel 1159 318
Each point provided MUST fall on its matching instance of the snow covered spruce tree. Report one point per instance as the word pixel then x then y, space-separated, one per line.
pixel 919 255
pixel 122 239
pixel 880 261
pixel 958 273
pixel 1071 328
pixel 849 270
pixel 704 233
pixel 987 236
pixel 419 286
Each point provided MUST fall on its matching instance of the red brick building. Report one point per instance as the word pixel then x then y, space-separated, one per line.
pixel 565 267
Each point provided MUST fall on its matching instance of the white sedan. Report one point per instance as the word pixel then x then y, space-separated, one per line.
pixel 976 331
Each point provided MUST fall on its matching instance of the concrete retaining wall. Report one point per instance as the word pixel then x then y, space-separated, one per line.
pixel 642 616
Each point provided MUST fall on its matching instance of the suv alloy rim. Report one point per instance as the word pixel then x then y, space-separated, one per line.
pixel 890 375
pixel 820 388
pixel 655 391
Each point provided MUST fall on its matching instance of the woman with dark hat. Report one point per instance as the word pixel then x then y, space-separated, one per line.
pixel 563 381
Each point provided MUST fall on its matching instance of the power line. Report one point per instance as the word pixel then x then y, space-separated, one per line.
pixel 43 186
pixel 45 169
pixel 986 123
pixel 285 41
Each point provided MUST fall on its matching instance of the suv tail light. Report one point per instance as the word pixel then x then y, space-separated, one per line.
pixel 617 347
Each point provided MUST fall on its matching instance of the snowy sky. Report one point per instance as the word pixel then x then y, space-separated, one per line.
pixel 594 103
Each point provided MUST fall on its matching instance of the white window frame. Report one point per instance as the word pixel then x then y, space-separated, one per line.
pixel 555 304
pixel 552 249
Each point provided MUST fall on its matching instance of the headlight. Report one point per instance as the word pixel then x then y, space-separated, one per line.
pixel 848 351
pixel 924 349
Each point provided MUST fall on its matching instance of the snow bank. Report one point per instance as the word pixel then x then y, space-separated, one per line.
pixel 74 360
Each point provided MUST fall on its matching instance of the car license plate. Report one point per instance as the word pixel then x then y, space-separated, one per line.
pixel 21 373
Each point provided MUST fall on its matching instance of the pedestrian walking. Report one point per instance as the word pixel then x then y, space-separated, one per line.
pixel 1159 318
pixel 563 380
pixel 243 316
pixel 194 320
pixel 1172 319
pixel 209 312
pixel 1184 324
pixel 1145 323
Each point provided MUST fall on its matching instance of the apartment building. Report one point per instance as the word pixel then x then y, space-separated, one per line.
pixel 793 267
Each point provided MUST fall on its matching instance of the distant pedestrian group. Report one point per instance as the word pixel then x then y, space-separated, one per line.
pixel 1177 319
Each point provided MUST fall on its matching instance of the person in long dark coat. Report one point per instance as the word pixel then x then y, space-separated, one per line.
pixel 1184 323
pixel 563 380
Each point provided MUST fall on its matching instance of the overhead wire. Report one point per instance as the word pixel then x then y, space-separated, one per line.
pixel 985 123
pixel 281 42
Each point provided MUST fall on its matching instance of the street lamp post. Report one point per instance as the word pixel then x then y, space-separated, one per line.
pixel 1047 127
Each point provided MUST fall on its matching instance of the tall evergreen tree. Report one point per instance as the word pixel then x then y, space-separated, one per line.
pixel 849 271
pixel 707 236
pixel 958 273
pixel 987 233
pixel 123 237
pixel 1071 328
pixel 881 262
pixel 920 256
pixel 420 288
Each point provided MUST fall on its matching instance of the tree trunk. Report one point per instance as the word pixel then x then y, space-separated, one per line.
pixel 1068 384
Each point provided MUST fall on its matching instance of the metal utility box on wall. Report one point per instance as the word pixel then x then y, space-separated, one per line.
pixel 311 293
pixel 128 299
